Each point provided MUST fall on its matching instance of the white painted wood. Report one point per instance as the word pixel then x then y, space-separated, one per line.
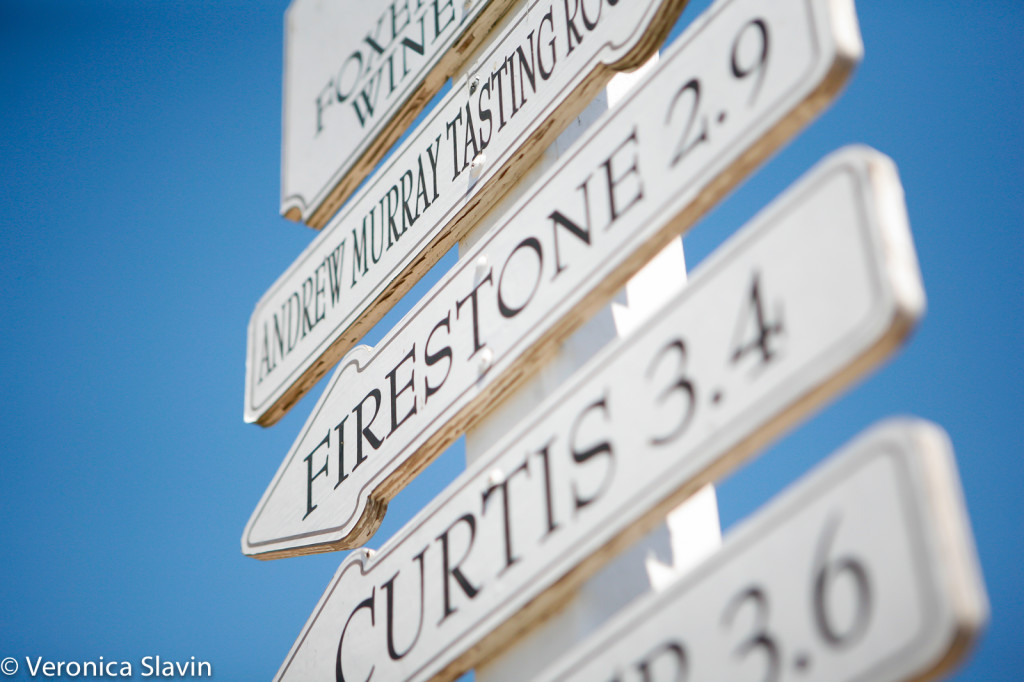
pixel 647 422
pixel 693 527
pixel 526 286
pixel 575 350
pixel 548 59
pixel 355 75
pixel 864 570
pixel 669 268
pixel 691 532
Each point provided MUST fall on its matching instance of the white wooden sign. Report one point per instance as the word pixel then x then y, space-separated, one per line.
pixel 548 61
pixel 609 205
pixel 821 286
pixel 355 75
pixel 865 570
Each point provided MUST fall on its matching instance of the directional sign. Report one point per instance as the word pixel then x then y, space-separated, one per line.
pixel 515 99
pixel 865 570
pixel 355 75
pixel 821 286
pixel 554 259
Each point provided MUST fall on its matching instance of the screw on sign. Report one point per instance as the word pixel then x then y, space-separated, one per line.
pixel 632 434
pixel 553 259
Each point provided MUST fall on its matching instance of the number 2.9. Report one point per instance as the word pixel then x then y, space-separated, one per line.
pixel 743 65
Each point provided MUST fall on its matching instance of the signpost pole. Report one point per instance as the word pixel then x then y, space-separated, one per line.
pixel 690 532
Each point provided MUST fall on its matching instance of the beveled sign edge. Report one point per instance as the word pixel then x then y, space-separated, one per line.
pixel 873 173
pixel 503 629
pixel 846 55
pixel 925 458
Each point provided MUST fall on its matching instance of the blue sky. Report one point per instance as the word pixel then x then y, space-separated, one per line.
pixel 139 171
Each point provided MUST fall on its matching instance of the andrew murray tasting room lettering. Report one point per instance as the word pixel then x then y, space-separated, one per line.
pixel 441 179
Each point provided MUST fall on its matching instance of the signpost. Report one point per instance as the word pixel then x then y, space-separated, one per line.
pixel 611 202
pixel 521 91
pixel 755 341
pixel 865 570
pixel 355 75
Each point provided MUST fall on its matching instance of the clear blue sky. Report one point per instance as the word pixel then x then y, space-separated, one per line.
pixel 139 166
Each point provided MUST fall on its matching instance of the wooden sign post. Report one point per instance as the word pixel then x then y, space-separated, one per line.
pixel 611 203
pixel 865 570
pixel 653 417
pixel 532 78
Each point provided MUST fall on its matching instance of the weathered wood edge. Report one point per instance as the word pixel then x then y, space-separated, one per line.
pixel 540 352
pixel 449 63
pixel 907 308
pixel 962 572
pixel 904 306
pixel 463 222
pixel 928 465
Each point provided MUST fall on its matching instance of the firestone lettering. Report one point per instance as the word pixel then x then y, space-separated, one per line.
pixel 402 388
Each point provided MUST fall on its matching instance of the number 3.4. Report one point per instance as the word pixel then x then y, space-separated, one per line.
pixel 763 341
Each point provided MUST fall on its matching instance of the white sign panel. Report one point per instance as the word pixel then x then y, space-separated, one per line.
pixel 515 99
pixel 355 75
pixel 865 570
pixel 819 288
pixel 609 205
